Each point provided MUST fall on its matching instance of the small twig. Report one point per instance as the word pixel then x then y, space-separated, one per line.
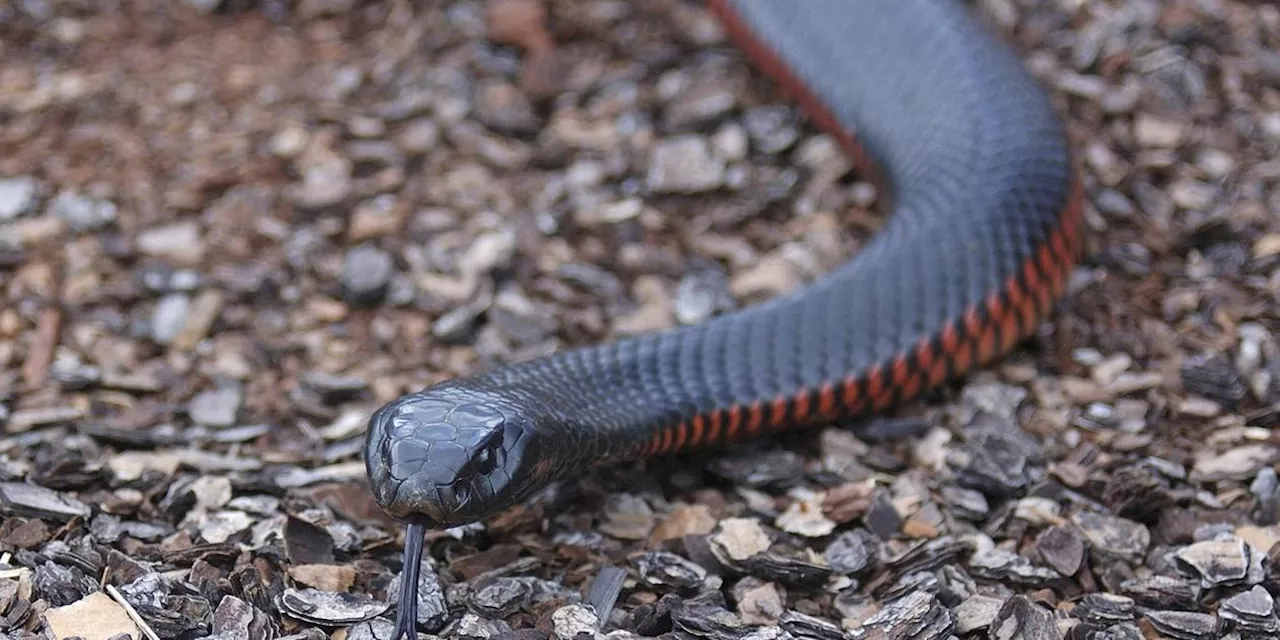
pixel 40 354
pixel 128 608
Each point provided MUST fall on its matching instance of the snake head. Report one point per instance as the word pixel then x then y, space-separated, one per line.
pixel 446 456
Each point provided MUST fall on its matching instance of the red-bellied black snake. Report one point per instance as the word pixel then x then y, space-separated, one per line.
pixel 986 227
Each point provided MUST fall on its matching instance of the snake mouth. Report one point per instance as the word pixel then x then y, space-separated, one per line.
pixel 415 501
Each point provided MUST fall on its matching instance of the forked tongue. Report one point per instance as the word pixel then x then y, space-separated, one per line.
pixel 407 610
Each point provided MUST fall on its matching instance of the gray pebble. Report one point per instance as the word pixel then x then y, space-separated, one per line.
pixel 71 373
pixel 802 625
pixel 1007 567
pixel 977 612
pixel 83 213
pixel 1061 548
pixel 61 585
pixel 418 136
pixel 164 280
pixel 402 290
pixel 506 109
pixel 1265 488
pixel 1022 619
pixel 731 142
pixel 1190 625
pixel 263 505
pixel 1114 203
pixel 519 320
pixel 597 281
pixel 667 571
pixel 702 294
pixel 966 502
pixel 24 419
pixel 573 621
pixel 366 274
pixel 1253 612
pixel 216 407
pixel 169 317
pixel 852 552
pixel 17 196
pixel 684 164
pixel 1112 537
pixel 490 251
pixel 323 186
pixel 334 388
pixel 919 611
pixel 882 518
pixel 994 398
pixel 773 129
pixel 327 607
pixel 1265 483
pixel 501 597
pixel 473 627
pixel 1105 608
pixel 701 102
pixel 366 127
pixel 999 460
pixel 27 500
pixel 180 240
pixel 456 324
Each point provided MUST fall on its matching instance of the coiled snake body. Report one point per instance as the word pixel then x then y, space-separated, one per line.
pixel 985 228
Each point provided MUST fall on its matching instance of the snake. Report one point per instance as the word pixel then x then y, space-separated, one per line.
pixel 985 225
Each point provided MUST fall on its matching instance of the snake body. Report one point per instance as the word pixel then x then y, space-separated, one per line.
pixel 985 228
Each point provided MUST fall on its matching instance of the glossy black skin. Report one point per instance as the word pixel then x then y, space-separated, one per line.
pixel 977 162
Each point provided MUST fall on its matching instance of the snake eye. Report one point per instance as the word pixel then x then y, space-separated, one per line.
pixel 486 459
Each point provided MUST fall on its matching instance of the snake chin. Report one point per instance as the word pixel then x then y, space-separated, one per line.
pixel 449 455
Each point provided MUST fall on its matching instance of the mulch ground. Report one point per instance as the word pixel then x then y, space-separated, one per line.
pixel 230 230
